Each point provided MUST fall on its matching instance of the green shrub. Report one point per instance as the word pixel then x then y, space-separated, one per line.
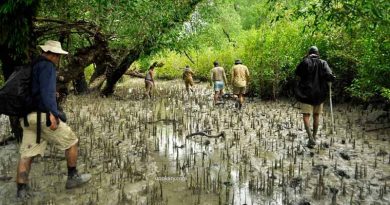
pixel 272 49
pixel 1 80
pixel 88 71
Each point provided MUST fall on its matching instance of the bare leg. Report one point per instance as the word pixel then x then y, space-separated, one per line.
pixel 146 90
pixel 241 99
pixel 306 122
pixel 24 167
pixel 316 120
pixel 216 97
pixel 74 178
pixel 149 92
pixel 71 156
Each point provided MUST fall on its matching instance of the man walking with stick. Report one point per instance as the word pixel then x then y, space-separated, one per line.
pixel 313 75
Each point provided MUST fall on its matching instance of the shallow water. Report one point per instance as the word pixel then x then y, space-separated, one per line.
pixel 137 151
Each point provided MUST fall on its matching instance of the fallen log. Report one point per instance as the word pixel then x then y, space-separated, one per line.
pixel 135 73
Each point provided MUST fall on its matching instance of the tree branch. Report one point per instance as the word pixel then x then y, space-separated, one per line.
pixel 228 37
pixel 189 57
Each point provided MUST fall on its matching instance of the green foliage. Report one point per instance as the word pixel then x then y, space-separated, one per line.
pixel 272 37
pixel 1 80
pixel 15 29
pixel 88 71
pixel 361 41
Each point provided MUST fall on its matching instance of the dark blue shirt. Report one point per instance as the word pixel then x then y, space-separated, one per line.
pixel 44 86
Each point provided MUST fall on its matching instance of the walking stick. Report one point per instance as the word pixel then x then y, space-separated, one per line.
pixel 331 106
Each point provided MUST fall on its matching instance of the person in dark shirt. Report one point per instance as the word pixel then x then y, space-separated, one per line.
pixel 53 126
pixel 313 76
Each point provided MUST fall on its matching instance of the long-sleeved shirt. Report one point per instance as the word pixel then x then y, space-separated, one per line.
pixel 218 74
pixel 240 75
pixel 44 86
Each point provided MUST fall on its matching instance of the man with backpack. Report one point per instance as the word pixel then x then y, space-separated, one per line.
pixel 47 121
pixel 312 89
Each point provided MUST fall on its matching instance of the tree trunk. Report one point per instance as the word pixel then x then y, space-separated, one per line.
pixel 81 86
pixel 104 62
pixel 114 75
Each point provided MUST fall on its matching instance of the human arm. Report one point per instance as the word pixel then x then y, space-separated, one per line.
pixel 47 87
pixel 224 77
pixel 329 76
pixel 211 77
pixel 247 76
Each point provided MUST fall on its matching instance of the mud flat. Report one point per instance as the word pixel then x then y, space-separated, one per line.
pixel 180 149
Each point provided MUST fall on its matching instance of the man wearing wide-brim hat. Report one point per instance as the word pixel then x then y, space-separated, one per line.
pixel 52 125
pixel 240 80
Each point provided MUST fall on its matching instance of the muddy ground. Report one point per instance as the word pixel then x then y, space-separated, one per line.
pixel 180 149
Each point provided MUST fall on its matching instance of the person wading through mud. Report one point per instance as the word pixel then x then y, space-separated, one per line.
pixel 218 77
pixel 240 80
pixel 50 122
pixel 313 75
pixel 187 77
pixel 149 82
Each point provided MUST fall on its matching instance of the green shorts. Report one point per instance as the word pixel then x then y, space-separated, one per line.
pixel 308 109
pixel 62 138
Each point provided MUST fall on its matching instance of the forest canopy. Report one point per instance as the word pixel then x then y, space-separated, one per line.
pixel 269 36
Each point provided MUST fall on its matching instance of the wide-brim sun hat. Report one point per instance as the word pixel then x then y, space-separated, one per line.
pixel 54 47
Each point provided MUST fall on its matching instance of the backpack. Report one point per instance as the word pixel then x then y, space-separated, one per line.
pixel 16 94
pixel 316 89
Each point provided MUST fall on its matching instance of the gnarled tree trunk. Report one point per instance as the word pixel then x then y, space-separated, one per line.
pixel 114 75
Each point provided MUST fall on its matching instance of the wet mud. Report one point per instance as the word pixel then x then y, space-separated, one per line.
pixel 178 148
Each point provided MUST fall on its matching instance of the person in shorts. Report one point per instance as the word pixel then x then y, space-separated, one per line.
pixel 218 78
pixel 51 122
pixel 313 75
pixel 240 80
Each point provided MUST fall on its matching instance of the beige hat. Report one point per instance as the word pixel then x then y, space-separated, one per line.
pixel 54 47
